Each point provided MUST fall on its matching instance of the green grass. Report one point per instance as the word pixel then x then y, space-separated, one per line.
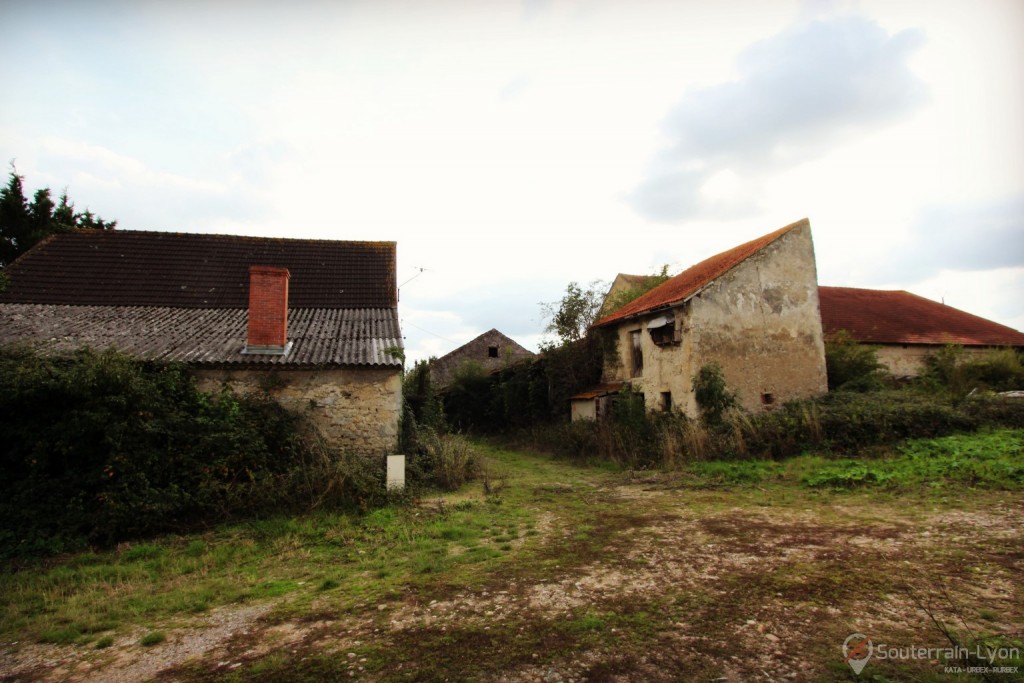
pixel 987 460
pixel 152 638
pixel 291 560
pixel 331 563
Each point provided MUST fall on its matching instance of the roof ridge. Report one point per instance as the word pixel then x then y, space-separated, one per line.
pixel 220 235
pixel 902 317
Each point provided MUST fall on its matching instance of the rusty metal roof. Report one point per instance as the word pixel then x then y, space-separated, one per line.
pixel 599 390
pixel 207 336
pixel 899 317
pixel 694 279
pixel 181 270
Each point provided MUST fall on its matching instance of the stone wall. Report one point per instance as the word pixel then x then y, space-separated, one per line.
pixel 760 322
pixel 356 409
pixel 478 351
pixel 907 360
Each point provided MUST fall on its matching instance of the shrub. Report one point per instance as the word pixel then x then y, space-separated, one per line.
pixel 713 397
pixel 452 459
pixel 98 448
pixel 851 365
pixel 467 399
pixel 961 373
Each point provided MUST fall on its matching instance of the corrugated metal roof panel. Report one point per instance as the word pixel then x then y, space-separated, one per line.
pixel 364 336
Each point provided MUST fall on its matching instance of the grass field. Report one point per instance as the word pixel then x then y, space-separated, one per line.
pixel 721 571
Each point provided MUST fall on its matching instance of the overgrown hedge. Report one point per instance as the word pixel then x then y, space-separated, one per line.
pixel 524 393
pixel 98 448
pixel 842 423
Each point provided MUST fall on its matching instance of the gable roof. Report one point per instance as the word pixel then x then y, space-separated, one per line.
pixel 185 297
pixel 623 282
pixel 489 338
pixel 693 279
pixel 442 370
pixel 899 317
pixel 136 268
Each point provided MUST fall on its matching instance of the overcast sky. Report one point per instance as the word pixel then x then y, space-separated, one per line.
pixel 512 147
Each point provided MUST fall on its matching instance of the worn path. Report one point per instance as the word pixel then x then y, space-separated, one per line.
pixel 627 579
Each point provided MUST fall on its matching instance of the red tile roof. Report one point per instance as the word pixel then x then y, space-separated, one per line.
pixel 695 278
pixel 898 317
pixel 136 268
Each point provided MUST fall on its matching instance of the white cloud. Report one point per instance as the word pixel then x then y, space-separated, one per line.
pixel 797 95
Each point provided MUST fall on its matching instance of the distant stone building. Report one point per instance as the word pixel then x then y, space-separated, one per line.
pixel 753 310
pixel 905 328
pixel 492 350
pixel 625 282
pixel 314 323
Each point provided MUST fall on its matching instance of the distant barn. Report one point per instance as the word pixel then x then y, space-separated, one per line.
pixel 905 328
pixel 491 351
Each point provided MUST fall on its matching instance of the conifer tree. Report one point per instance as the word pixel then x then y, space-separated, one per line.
pixel 24 223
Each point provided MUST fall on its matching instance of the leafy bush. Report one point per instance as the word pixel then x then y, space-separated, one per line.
pixel 992 410
pixel 851 365
pixel 961 373
pixel 712 395
pixel 98 447
pixel 467 399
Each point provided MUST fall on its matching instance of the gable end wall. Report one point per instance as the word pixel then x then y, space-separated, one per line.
pixel 760 321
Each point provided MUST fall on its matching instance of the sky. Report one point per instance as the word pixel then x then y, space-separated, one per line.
pixel 513 147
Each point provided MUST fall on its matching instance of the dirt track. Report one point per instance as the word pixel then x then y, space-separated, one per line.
pixel 665 584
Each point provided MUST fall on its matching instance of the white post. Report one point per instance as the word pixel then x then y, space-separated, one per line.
pixel 396 473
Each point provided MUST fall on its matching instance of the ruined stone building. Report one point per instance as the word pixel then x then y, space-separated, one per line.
pixel 905 328
pixel 753 310
pixel 491 351
pixel 312 322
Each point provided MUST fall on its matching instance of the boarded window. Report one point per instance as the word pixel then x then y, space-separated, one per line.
pixel 635 342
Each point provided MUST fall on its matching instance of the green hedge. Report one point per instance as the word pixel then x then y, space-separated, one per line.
pixel 842 423
pixel 98 447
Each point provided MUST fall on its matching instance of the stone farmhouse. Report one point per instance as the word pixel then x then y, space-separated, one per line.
pixel 752 309
pixel 312 322
pixel 492 350
pixel 905 328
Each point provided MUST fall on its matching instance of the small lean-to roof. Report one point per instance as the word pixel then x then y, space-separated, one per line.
pixel 898 317
pixel 183 270
pixel 599 390
pixel 681 287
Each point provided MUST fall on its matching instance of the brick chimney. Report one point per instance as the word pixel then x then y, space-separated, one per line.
pixel 268 310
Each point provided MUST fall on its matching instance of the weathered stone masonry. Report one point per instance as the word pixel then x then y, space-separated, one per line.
pixel 355 409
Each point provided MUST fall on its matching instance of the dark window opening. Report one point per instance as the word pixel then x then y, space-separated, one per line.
pixel 635 342
pixel 666 401
pixel 492 351
pixel 767 398
pixel 663 331
pixel 662 336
